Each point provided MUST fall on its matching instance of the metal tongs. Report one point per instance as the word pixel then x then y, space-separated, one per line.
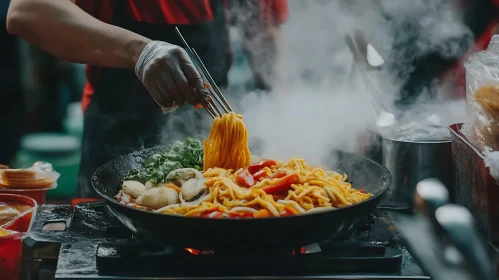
pixel 359 46
pixel 446 239
pixel 213 90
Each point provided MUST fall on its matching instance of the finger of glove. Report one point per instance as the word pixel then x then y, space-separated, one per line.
pixel 173 90
pixel 156 93
pixel 183 84
pixel 193 76
pixel 164 97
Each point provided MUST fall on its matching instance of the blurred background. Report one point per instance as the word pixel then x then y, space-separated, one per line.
pixel 41 116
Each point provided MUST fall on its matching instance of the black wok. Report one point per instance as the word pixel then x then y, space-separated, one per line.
pixel 203 233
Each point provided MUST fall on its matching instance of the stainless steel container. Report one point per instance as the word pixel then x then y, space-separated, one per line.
pixel 411 162
pixel 475 188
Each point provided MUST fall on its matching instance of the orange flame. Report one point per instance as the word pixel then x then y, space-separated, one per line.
pixel 193 251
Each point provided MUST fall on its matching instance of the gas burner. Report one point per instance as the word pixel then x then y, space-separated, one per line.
pixel 91 245
pixel 153 261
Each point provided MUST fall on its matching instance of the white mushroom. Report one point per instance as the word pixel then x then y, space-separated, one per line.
pixel 180 176
pixel 133 188
pixel 157 197
pixel 193 189
pixel 123 197
pixel 149 185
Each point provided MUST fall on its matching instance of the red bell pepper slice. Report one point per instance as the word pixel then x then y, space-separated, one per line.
pixel 244 179
pixel 278 175
pixel 261 174
pixel 255 167
pixel 282 184
pixel 362 191
pixel 287 212
pixel 241 215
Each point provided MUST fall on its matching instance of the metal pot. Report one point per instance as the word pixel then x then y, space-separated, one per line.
pixel 411 162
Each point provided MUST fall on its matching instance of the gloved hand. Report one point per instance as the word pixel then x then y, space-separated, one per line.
pixel 169 75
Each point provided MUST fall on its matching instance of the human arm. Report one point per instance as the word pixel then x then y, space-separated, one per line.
pixel 66 31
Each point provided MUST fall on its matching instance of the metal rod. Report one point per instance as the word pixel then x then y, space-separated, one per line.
pixel 211 81
pixel 217 99
pixel 189 50
pixel 214 90
pixel 212 109
pixel 216 108
pixel 209 112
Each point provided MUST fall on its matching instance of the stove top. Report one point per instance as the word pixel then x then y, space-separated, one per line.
pixel 86 243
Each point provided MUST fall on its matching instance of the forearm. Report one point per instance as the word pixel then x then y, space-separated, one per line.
pixel 64 30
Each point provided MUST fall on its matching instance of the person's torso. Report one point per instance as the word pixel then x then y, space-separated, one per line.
pixel 153 11
pixel 201 21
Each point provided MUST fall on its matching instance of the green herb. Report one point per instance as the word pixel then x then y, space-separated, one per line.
pixel 182 154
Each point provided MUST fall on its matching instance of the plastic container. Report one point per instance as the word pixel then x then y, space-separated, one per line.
pixel 11 245
pixel 38 195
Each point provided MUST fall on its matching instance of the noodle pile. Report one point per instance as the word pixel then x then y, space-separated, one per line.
pixel 314 190
pixel 232 187
pixel 486 124
pixel 227 145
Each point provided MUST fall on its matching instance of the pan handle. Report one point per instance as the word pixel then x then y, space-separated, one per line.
pixel 459 227
pixel 430 195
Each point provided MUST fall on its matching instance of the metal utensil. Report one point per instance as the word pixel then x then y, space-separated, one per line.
pixel 367 58
pixel 433 237
pixel 215 93
pixel 459 226
pixel 411 162
pixel 204 233
pixel 430 195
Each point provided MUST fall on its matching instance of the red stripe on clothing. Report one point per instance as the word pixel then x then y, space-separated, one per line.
pixel 272 13
pixel 153 11
pixel 458 72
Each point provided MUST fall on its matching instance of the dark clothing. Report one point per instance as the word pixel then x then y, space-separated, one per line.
pixel 181 12
pixel 122 116
pixel 11 93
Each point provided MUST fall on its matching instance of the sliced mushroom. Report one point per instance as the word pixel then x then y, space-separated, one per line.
pixel 180 176
pixel 193 189
pixel 123 197
pixel 149 185
pixel 133 188
pixel 158 197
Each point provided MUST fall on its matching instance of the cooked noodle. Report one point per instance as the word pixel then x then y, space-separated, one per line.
pixel 227 145
pixel 314 190
pixel 232 187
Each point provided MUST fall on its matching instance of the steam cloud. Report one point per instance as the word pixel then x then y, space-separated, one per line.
pixel 315 105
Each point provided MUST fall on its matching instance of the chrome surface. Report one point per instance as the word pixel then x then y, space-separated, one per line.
pixel 411 162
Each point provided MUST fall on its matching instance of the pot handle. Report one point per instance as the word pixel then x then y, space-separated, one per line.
pixel 430 195
pixel 458 225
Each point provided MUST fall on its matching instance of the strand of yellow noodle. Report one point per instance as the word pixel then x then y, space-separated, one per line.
pixel 227 145
pixel 316 188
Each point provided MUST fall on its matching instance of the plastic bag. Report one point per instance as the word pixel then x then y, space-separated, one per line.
pixel 40 175
pixel 482 96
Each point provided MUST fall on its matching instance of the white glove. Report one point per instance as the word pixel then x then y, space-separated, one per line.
pixel 169 75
